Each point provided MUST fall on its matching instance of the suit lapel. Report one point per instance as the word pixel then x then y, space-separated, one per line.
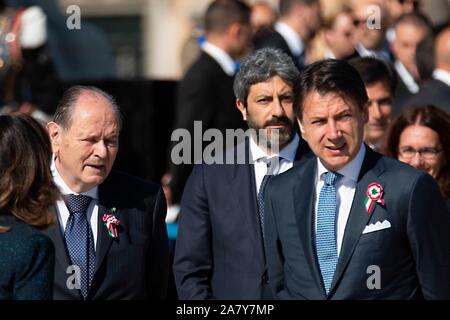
pixel 304 211
pixel 240 175
pixel 358 218
pixel 54 233
pixel 103 239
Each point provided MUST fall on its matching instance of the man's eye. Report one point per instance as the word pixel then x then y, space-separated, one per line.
pixel 112 143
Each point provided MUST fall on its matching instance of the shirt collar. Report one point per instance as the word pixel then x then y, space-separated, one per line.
pixel 292 38
pixel 407 78
pixel 64 188
pixel 222 58
pixel 379 54
pixel 288 152
pixel 349 171
pixel 442 75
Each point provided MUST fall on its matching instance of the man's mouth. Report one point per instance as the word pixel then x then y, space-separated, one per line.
pixel 96 166
pixel 337 148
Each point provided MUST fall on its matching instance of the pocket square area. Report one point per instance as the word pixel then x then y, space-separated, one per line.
pixel 377 226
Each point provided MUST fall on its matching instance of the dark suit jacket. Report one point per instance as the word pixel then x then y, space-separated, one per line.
pixel 413 255
pixel 27 262
pixel 402 96
pixel 276 40
pixel 433 92
pixel 135 264
pixel 219 252
pixel 204 94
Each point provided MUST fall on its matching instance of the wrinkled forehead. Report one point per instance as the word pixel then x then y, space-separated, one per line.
pixel 93 108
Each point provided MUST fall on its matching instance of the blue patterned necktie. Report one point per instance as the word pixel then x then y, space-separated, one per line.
pixel 271 170
pixel 326 230
pixel 80 240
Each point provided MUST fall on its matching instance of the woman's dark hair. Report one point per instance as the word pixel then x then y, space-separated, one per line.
pixel 433 118
pixel 26 185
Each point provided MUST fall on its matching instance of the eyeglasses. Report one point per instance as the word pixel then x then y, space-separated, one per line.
pixel 426 153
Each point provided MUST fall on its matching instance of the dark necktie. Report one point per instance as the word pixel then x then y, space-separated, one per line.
pixel 326 229
pixel 79 239
pixel 299 60
pixel 272 169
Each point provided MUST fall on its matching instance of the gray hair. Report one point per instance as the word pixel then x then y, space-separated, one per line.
pixel 64 110
pixel 260 66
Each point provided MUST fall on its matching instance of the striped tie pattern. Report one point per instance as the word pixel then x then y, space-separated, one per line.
pixel 326 231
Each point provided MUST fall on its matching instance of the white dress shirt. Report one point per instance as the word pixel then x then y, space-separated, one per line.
pixel 406 77
pixel 63 212
pixel 345 188
pixel 379 54
pixel 442 75
pixel 287 155
pixel 291 37
pixel 223 59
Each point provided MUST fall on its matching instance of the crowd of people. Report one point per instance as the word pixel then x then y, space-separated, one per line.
pixel 349 168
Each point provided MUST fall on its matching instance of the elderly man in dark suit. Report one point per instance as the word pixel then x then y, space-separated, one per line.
pixel 351 223
pixel 110 239
pixel 219 252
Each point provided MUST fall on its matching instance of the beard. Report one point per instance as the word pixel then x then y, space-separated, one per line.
pixel 272 138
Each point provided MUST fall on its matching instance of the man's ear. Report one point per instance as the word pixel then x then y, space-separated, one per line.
pixel 54 132
pixel 240 105
pixel 234 30
pixel 302 129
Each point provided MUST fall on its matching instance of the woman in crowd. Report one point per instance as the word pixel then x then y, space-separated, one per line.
pixel 26 194
pixel 421 138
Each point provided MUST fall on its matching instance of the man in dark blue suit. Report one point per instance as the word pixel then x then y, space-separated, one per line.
pixel 219 252
pixel 110 239
pixel 298 23
pixel 351 223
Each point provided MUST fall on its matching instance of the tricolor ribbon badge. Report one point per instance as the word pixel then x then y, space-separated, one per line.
pixel 111 223
pixel 374 194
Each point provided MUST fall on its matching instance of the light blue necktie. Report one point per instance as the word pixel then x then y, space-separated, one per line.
pixel 326 231
pixel 271 170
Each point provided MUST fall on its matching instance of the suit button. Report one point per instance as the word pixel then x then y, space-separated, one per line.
pixel 265 279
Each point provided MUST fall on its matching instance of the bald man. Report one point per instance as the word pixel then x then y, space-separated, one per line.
pixel 436 91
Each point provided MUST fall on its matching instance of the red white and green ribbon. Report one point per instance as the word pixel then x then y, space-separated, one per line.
pixel 374 195
pixel 111 223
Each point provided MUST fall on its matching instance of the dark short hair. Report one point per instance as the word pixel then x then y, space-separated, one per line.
pixel 433 118
pixel 26 186
pixel 285 6
pixel 221 14
pixel 64 110
pixel 261 66
pixel 373 70
pixel 414 18
pixel 330 76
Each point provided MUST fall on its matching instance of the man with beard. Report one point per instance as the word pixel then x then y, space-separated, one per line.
pixel 220 247
pixel 380 83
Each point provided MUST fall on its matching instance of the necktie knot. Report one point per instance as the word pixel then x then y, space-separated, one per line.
pixel 272 164
pixel 77 203
pixel 331 178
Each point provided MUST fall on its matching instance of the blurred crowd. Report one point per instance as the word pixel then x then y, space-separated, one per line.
pixel 400 47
